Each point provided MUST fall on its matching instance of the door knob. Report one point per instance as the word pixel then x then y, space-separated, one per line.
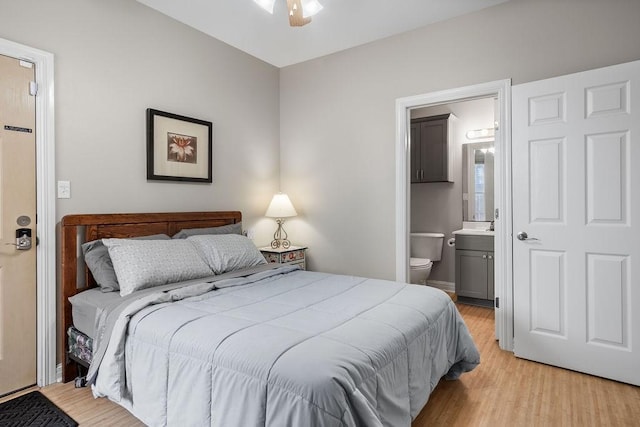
pixel 523 236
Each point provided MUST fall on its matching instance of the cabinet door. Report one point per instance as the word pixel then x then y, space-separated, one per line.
pixel 471 274
pixel 414 146
pixel 434 153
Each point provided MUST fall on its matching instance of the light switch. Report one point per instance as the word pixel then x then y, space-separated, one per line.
pixel 64 189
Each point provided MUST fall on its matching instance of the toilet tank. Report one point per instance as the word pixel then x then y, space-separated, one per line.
pixel 427 245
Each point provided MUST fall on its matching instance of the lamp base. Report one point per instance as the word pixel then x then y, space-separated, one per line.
pixel 280 236
pixel 284 244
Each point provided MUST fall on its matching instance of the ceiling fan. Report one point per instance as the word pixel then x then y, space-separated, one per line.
pixel 300 11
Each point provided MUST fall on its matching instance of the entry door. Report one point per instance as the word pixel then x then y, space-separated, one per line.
pixel 576 195
pixel 17 211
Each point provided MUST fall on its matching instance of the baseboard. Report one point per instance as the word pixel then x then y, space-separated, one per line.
pixel 476 301
pixel 445 286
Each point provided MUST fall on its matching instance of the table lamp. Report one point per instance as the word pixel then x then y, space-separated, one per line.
pixel 280 208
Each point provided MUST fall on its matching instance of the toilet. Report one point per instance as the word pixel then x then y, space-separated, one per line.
pixel 425 248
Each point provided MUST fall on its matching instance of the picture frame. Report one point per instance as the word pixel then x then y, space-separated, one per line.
pixel 179 148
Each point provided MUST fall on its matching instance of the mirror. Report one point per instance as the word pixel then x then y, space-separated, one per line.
pixel 477 181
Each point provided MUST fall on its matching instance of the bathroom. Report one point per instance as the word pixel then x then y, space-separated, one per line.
pixel 460 201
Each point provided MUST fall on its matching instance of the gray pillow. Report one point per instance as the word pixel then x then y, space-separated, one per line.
pixel 227 252
pixel 223 229
pixel 96 256
pixel 143 264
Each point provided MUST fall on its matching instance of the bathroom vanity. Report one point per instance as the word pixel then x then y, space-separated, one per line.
pixel 474 267
pixel 474 264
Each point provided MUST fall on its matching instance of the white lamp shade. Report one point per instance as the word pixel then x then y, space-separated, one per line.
pixel 266 5
pixel 310 7
pixel 280 207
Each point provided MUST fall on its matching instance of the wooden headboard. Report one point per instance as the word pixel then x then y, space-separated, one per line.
pixel 77 229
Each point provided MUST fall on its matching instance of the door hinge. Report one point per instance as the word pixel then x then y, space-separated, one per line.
pixel 497 302
pixel 33 88
pixel 496 214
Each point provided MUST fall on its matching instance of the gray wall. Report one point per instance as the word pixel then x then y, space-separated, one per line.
pixel 337 113
pixel 114 59
pixel 324 128
pixel 437 206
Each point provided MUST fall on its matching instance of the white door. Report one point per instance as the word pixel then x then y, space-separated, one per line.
pixel 576 194
pixel 17 212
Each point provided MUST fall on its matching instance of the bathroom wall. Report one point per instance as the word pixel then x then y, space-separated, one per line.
pixel 437 207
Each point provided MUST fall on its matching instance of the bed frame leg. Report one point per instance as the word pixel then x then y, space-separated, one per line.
pixel 81 380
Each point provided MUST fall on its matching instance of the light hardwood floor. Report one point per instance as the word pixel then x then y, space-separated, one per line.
pixel 506 391
pixel 502 391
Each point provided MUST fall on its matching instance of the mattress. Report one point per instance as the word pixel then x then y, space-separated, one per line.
pixel 87 306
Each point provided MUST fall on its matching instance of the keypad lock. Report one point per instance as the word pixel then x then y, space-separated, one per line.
pixel 23 239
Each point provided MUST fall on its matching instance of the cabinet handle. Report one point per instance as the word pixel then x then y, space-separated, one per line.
pixel 417 174
pixel 422 174
pixel 490 257
pixel 484 256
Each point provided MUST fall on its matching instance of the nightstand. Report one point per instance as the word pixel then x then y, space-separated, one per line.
pixel 293 255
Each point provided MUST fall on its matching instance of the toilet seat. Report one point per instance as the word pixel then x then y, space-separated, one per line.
pixel 419 263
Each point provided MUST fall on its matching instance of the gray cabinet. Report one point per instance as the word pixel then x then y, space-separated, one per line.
pixel 430 151
pixel 474 269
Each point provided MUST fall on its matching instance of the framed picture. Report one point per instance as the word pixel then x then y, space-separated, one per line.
pixel 179 148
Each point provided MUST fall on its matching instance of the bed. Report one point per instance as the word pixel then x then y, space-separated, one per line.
pixel 251 343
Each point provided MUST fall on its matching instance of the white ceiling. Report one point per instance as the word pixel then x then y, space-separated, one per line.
pixel 342 24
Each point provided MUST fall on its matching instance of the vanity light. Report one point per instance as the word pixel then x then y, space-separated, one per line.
pixel 481 133
pixel 280 208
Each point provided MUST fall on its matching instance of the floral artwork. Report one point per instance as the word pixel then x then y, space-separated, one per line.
pixel 182 148
pixel 179 148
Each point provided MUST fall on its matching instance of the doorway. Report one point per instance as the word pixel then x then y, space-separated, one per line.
pixel 17 210
pixel 45 241
pixel 501 91
pixel 465 198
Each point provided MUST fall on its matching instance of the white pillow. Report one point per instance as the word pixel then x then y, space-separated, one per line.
pixel 227 252
pixel 141 264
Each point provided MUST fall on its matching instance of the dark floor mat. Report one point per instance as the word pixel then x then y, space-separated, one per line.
pixel 33 409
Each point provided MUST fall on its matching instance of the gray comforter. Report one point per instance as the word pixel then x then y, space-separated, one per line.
pixel 281 347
